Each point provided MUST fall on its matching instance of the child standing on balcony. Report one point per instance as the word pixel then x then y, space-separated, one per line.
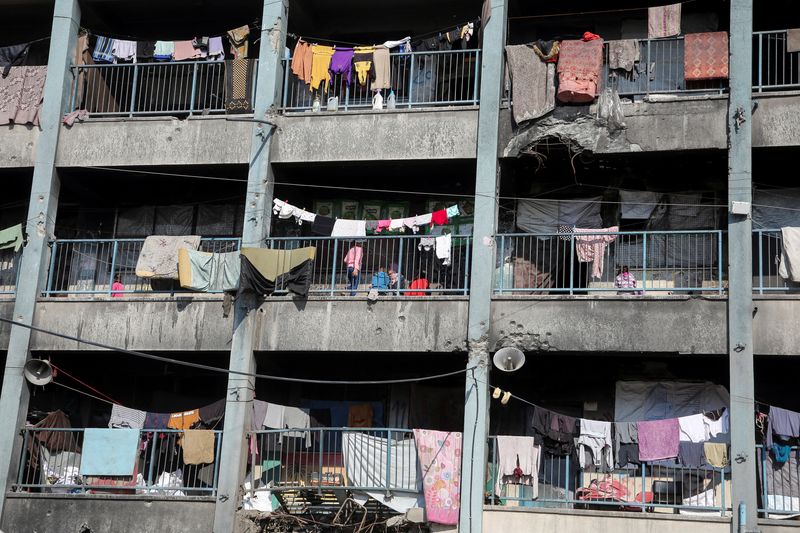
pixel 117 288
pixel 625 280
pixel 353 260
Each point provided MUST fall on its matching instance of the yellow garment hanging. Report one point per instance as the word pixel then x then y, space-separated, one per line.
pixel 320 63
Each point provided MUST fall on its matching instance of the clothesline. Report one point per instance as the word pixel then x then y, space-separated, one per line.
pixel 412 38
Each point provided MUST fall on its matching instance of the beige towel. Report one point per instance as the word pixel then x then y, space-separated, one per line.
pixel 716 454
pixel 198 446
pixel 532 83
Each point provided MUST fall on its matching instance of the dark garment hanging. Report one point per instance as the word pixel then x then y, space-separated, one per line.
pixel 156 421
pixel 212 413
pixel 297 280
pixel 783 423
pixel 13 56
pixel 145 49
pixel 322 226
pixel 628 453
pixel 556 433
pixel 691 454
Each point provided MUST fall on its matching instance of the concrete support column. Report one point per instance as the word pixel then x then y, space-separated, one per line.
pixel 740 277
pixel 239 396
pixel 476 399
pixel 39 228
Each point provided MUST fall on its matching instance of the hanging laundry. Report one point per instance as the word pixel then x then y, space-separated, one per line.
pixel 183 419
pixel 547 51
pixel 658 439
pixel 362 62
pixel 302 61
pixel 322 226
pixel 719 428
pixel 198 446
pixel 518 458
pixel 125 417
pixel 159 256
pixel 124 50
pixel 264 270
pixel 145 50
pixel 595 435
pixel 555 432
pixel 216 50
pixel 663 21
pixel 439 218
pixel 691 454
pixel 381 64
pixel 320 63
pixel 342 63
pixel 349 228
pixel 693 428
pixel 300 419
pixel 185 50
pixel 452 211
pixel 789 267
pixel 533 83
pixel 275 416
pixel 239 76
pixel 382 225
pixel 13 56
pixel 208 272
pixel 439 455
pixel 212 413
pixel 781 453
pixel 103 50
pixel 579 66
pixel 716 454
pixel 164 50
pixel 109 452
pixel 426 244
pixel 466 33
pixel 156 421
pixel 238 39
pixel 259 414
pixel 12 237
pixel 444 246
pixel 623 55
pixel 404 44
pixel 593 247
pixel 784 423
pixel 705 56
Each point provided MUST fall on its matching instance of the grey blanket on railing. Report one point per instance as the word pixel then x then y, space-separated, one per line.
pixel 532 83
pixel 159 256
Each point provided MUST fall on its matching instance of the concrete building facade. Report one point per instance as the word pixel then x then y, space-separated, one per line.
pixel 160 153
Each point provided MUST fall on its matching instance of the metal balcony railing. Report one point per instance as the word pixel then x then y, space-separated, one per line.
pixel 779 483
pixel 149 89
pixel 410 257
pixel 89 266
pixel 659 70
pixel 774 67
pixel 418 79
pixel 374 459
pixel 589 262
pixel 51 461
pixel 638 488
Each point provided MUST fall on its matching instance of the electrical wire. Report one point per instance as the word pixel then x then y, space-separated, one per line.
pixel 226 370
pixel 603 11
pixel 83 392
pixel 61 370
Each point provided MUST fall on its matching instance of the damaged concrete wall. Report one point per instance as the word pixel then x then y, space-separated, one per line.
pixel 18 146
pixel 61 513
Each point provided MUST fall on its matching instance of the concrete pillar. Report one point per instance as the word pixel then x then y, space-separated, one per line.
pixel 476 401
pixel 239 397
pixel 39 227
pixel 740 277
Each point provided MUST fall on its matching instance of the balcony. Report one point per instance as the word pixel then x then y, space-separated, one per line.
pixel 184 88
pixel 51 464
pixel 88 267
pixel 418 79
pixel 9 272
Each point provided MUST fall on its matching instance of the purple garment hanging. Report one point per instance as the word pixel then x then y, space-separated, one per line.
pixel 342 63
pixel 658 439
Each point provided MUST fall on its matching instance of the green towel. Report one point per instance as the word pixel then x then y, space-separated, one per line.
pixel 11 238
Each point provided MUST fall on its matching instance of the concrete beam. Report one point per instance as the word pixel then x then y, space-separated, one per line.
pixel 18 146
pixel 61 512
